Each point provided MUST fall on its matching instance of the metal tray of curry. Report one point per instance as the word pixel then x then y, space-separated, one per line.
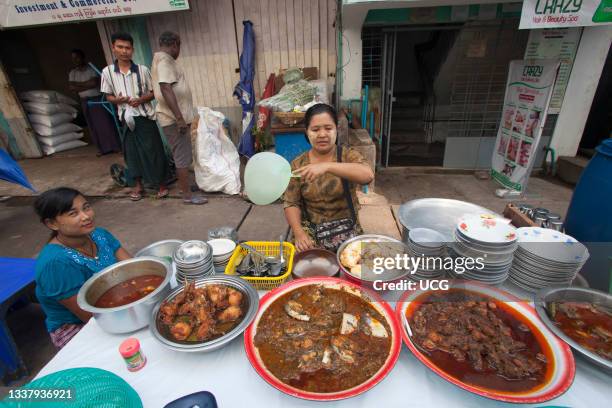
pixel 582 318
pixel 486 341
pixel 323 339
pixel 204 314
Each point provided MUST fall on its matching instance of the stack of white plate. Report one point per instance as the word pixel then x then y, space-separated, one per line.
pixel 490 242
pixel 546 258
pixel 222 250
pixel 429 245
pixel 193 260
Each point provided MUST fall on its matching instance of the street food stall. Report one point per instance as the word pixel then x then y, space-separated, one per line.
pixel 256 320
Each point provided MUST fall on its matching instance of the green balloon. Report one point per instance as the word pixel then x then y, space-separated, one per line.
pixel 266 177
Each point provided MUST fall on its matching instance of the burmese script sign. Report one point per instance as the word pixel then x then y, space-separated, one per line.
pixel 20 13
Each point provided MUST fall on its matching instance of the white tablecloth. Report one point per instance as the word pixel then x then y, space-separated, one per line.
pixel 228 374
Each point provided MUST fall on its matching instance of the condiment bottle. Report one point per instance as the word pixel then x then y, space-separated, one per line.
pixel 131 353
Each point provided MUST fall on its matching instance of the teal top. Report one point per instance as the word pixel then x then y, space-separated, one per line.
pixel 61 271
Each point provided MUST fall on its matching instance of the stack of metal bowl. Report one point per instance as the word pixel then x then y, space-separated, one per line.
pixel 193 260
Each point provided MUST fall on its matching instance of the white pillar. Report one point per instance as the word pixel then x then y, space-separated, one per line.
pixel 589 62
pixel 352 22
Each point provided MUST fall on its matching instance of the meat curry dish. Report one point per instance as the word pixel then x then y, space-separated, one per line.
pixel 129 291
pixel 588 324
pixel 201 314
pixel 479 341
pixel 322 340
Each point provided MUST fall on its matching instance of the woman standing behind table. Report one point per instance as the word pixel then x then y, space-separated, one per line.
pixel 321 205
pixel 75 251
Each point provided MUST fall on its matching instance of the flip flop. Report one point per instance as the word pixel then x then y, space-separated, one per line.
pixel 134 196
pixel 196 200
pixel 163 194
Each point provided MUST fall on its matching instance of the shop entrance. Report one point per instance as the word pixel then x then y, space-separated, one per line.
pixel 40 59
pixel 440 82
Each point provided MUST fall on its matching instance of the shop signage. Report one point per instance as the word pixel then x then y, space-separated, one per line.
pixel 555 43
pixel 20 13
pixel 528 92
pixel 565 13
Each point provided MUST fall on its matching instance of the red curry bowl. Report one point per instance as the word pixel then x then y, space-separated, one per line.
pixel 380 305
pixel 562 367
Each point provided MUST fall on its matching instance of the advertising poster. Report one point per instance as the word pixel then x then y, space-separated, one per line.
pixel 553 43
pixel 528 91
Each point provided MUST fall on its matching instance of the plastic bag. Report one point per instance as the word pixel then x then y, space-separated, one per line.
pixel 55 130
pixel 51 120
pixel 223 232
pixel 48 108
pixel 59 139
pixel 322 90
pixel 63 146
pixel 292 75
pixel 217 165
pixel 290 95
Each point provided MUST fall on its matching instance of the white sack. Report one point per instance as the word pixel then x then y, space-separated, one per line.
pixel 61 98
pixel 55 130
pixel 59 139
pixel 48 108
pixel 61 147
pixel 39 96
pixel 47 96
pixel 216 164
pixel 51 120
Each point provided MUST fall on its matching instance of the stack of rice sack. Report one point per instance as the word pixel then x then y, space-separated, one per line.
pixel 51 115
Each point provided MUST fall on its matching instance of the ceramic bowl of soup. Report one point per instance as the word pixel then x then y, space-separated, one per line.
pixel 122 296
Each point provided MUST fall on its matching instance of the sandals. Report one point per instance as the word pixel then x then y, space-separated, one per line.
pixel 196 200
pixel 163 193
pixel 136 195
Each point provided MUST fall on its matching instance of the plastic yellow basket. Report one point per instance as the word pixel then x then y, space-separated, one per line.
pixel 268 248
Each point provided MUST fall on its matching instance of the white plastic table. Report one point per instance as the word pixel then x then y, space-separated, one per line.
pixel 228 374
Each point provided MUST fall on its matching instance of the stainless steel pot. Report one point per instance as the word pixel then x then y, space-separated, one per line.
pixel 135 315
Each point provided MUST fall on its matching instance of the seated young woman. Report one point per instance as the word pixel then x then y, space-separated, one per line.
pixel 76 250
pixel 321 204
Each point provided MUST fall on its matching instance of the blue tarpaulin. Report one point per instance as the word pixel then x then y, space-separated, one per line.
pixel 244 90
pixel 10 171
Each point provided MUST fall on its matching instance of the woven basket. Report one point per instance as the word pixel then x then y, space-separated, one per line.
pixel 290 118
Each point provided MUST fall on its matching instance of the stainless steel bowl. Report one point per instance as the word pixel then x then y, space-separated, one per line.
pixel 574 294
pixel 135 315
pixel 235 282
pixel 160 249
pixel 389 275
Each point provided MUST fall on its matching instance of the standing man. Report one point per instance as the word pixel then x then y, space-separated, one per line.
pixel 128 85
pixel 85 81
pixel 175 109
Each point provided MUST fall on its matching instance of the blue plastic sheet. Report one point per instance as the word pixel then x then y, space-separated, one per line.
pixel 10 171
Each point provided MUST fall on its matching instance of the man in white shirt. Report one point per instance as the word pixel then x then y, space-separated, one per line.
pixel 128 85
pixel 174 109
pixel 84 80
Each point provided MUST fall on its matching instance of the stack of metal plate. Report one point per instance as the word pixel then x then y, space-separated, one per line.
pixel 430 246
pixel 490 243
pixel 546 258
pixel 193 260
